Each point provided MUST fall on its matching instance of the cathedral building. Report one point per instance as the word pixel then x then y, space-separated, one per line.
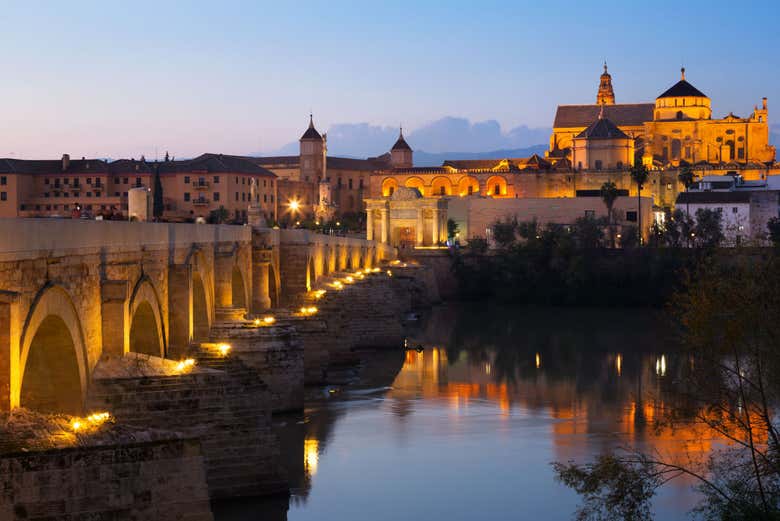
pixel 676 129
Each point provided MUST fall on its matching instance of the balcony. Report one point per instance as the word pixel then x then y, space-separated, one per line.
pixel 200 185
pixel 200 201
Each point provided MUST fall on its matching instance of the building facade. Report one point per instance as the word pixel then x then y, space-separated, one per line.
pixel 191 189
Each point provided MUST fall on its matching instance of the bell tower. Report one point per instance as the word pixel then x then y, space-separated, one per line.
pixel 313 154
pixel 401 153
pixel 606 95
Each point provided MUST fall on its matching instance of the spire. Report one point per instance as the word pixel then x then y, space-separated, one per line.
pixel 682 73
pixel 311 132
pixel 311 120
pixel 605 96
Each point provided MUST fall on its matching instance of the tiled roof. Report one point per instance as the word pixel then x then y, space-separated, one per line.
pixel 625 114
pixel 682 88
pixel 216 163
pixel 290 161
pixel 401 144
pixel 602 128
pixel 52 166
pixel 348 163
pixel 713 197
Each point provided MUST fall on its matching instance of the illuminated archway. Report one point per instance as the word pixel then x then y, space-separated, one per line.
pixel 441 186
pixel 238 290
pixel 468 185
pixel 273 285
pixel 53 370
pixel 311 274
pixel 389 186
pixel 147 329
pixel 415 182
pixel 200 313
pixel 144 334
pixel 496 186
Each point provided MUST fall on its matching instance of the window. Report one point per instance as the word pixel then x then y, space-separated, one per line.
pixel 89 180
pixel 471 189
pixel 186 180
pixel 579 165
pixel 272 198
pixel 66 181
pixel 619 165
pixel 216 196
pixel 216 179
pixel 350 183
pixel 243 180
pixel 236 196
pixel 598 164
pixel 631 216
pixel 740 153
pixel 186 196
pixel 89 194
pixel 46 194
pixel 116 180
pixel 679 114
pixel 360 184
pixel 3 196
pixel 339 183
pixel 97 194
pixel 236 183
pixel 137 181
pixel 97 182
pixel 263 183
pixel 46 181
pixel 124 194
pixel 124 180
pixel 265 198
pixel 3 180
pixel 116 194
pixel 76 183
pixel 734 209
pixel 243 196
pixel 496 190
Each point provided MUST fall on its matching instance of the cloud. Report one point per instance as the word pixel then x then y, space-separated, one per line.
pixel 448 134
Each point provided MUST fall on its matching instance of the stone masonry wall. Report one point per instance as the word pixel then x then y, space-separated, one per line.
pixel 229 415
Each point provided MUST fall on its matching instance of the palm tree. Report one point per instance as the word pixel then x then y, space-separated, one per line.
pixel 686 178
pixel 609 193
pixel 639 174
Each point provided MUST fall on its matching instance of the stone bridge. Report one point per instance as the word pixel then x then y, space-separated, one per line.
pixel 74 291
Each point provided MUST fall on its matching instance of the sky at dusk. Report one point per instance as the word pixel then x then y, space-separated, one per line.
pixel 122 79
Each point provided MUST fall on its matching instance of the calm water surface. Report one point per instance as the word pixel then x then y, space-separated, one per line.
pixel 467 428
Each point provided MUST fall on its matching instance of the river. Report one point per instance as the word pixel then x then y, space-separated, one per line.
pixel 467 427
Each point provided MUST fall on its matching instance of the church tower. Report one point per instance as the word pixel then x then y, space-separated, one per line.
pixel 606 95
pixel 313 154
pixel 401 153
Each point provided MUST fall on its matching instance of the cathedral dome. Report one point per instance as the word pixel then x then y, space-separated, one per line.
pixel 682 101
pixel 682 88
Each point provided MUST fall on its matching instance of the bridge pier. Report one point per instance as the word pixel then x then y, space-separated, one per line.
pixel 179 309
pixel 9 349
pixel 114 316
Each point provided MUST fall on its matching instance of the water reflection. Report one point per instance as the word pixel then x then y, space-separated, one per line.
pixel 495 396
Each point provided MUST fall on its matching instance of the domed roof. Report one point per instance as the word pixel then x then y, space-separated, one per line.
pixel 311 132
pixel 682 88
pixel 602 128
pixel 401 143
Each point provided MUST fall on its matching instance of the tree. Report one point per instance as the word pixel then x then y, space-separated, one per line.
pixel 218 216
pixel 773 226
pixel 452 229
pixel 639 174
pixel 709 228
pixel 686 178
pixel 158 206
pixel 504 232
pixel 589 232
pixel 729 390
pixel 609 193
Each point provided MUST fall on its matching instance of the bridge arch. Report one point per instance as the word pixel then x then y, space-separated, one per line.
pixel 273 285
pixel 147 329
pixel 202 298
pixel 238 288
pixel 53 355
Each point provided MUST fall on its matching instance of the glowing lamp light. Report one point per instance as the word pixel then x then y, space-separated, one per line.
pixel 268 320
pixel 377 270
pixel 538 361
pixel 76 425
pixel 389 273
pixel 349 279
pixel 294 205
pixel 185 365
pixel 308 311
pixel 224 349
pixel 337 285
pixel 93 420
pixel 319 293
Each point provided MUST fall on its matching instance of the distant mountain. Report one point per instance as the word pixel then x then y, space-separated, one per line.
pixel 422 158
pixel 437 137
